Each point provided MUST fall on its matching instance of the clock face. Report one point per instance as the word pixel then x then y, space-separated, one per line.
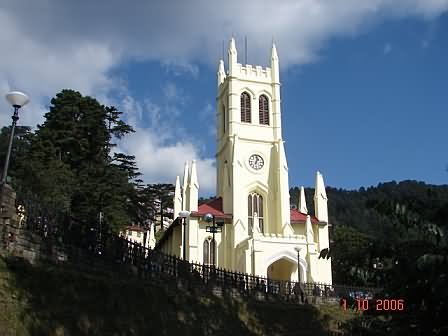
pixel 256 161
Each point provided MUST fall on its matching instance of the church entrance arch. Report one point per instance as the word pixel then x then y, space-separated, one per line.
pixel 283 266
pixel 282 269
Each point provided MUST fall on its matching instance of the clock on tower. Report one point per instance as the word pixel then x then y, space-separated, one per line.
pixel 256 162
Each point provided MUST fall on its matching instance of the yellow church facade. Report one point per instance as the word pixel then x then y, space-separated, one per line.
pixel 256 231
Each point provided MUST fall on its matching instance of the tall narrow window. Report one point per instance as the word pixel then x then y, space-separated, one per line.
pixel 263 104
pixel 255 205
pixel 250 212
pixel 206 248
pixel 223 119
pixel 260 213
pixel 209 252
pixel 245 107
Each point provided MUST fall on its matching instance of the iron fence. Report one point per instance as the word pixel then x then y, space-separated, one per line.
pixel 147 263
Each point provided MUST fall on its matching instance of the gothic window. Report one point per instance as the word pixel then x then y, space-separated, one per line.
pixel 250 212
pixel 209 251
pixel 255 206
pixel 245 107
pixel 263 104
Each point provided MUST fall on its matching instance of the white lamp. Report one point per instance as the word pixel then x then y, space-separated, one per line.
pixel 17 98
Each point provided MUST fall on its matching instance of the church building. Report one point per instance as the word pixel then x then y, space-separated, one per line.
pixel 250 226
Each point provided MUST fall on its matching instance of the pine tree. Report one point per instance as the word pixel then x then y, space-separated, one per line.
pixel 70 163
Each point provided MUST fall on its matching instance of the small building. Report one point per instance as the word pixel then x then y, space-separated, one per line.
pixel 139 235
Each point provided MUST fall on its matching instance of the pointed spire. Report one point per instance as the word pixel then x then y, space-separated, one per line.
pixel 302 201
pixel 274 55
pixel 177 198
pixel 320 199
pixel 233 56
pixel 320 186
pixel 184 186
pixel 275 69
pixel 193 176
pixel 193 189
pixel 221 72
pixel 309 230
pixel 232 46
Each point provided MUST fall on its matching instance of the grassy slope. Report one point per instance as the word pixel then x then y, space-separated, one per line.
pixel 52 300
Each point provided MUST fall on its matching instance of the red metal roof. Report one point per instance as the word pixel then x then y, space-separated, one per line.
pixel 213 207
pixel 135 228
pixel 298 217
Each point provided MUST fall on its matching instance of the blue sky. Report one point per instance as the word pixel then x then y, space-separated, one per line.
pixel 364 86
pixel 373 109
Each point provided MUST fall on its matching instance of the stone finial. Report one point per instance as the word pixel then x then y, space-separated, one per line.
pixel 320 199
pixel 233 56
pixel 302 201
pixel 221 72
pixel 177 201
pixel 185 185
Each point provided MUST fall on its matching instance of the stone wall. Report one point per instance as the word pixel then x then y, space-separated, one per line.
pixel 8 214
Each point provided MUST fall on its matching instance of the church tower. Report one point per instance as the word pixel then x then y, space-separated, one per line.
pixel 252 171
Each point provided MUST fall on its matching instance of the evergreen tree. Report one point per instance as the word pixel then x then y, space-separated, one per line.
pixel 70 163
pixel 159 198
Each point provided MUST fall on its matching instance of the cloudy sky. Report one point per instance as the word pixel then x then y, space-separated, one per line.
pixel 364 83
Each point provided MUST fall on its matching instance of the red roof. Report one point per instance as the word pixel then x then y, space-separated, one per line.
pixel 135 228
pixel 213 207
pixel 299 217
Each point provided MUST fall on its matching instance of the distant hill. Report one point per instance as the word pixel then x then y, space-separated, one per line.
pixel 359 208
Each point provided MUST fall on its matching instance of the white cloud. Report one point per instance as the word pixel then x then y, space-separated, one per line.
pixel 162 149
pixel 179 67
pixel 161 162
pixel 50 45
pixel 41 70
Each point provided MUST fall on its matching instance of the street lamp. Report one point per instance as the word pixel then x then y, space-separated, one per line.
pixel 213 229
pixel 298 263
pixel 378 267
pixel 184 214
pixel 17 100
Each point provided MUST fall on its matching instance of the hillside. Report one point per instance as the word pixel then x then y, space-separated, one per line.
pixel 57 300
pixel 359 208
pixel 393 236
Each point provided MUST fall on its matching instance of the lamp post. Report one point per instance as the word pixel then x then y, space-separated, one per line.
pixel 213 229
pixel 378 267
pixel 298 263
pixel 17 99
pixel 184 214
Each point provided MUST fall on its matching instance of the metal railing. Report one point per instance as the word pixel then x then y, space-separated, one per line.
pixel 152 264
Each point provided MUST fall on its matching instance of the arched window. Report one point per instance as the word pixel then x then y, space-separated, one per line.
pixel 255 206
pixel 245 107
pixel 263 104
pixel 209 252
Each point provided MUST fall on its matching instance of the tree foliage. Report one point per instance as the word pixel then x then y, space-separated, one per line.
pixel 71 163
pixel 393 236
